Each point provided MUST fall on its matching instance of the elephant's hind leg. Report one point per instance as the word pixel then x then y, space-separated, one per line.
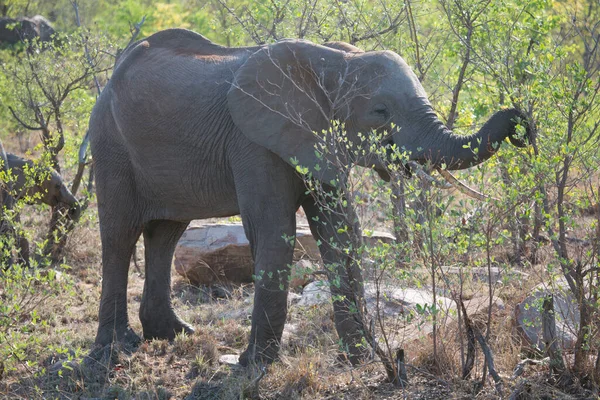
pixel 156 312
pixel 118 241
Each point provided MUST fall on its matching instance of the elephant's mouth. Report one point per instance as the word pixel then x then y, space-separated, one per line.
pixel 384 173
pixel 70 211
pixel 75 212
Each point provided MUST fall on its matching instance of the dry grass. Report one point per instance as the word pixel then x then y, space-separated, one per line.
pixel 189 368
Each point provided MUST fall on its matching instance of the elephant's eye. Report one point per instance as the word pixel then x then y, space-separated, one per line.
pixel 380 110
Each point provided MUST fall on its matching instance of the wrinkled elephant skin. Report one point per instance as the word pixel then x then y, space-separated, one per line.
pixel 187 129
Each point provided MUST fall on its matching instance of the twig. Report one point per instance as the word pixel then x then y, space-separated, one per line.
pixel 430 375
pixel 88 58
pixel 401 368
pixel 520 368
pixel 470 360
pixel 84 144
pixel 393 26
pixel 251 391
pixel 489 358
pixel 418 170
pixel 413 33
pixel 20 121
pixel 136 31
pixel 516 393
pixel 255 37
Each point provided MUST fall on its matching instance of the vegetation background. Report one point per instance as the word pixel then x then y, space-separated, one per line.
pixel 541 219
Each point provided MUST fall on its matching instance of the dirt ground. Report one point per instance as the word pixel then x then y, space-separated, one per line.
pixel 55 366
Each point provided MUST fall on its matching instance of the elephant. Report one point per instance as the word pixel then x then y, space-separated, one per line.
pixel 188 129
pixel 13 31
pixel 47 188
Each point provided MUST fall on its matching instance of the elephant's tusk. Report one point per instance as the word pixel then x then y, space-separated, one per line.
pixel 418 170
pixel 461 186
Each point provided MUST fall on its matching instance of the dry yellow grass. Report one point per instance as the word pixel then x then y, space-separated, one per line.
pixel 308 369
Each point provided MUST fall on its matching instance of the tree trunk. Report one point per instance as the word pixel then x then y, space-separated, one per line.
pixel 557 366
pixel 582 347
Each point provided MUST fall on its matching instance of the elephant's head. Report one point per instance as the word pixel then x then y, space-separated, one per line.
pixel 287 91
pixel 55 192
pixel 21 29
pixel 41 185
pixel 43 28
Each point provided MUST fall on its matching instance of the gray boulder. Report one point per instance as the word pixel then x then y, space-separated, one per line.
pixel 315 293
pixel 220 253
pixel 528 317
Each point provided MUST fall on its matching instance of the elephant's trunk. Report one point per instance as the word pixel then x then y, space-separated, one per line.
pixel 66 197
pixel 75 212
pixel 441 147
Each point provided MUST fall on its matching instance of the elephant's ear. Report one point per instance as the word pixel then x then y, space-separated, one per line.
pixel 279 100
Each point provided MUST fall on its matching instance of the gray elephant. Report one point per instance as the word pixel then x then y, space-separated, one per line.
pixel 47 187
pixel 187 129
pixel 21 29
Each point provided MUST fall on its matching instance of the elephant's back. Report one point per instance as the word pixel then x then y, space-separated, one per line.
pixel 170 90
pixel 164 115
pixel 172 67
pixel 180 43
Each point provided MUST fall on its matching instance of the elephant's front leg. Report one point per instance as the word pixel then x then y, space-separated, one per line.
pixel 272 257
pixel 268 195
pixel 336 231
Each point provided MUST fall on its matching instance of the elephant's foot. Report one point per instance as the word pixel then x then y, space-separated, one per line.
pixel 161 329
pixel 124 338
pixel 259 355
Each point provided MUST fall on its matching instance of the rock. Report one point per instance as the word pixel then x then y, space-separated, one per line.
pixel 529 318
pixel 229 359
pixel 395 301
pixel 293 298
pixel 392 301
pixel 315 293
pixel 374 238
pixel 220 253
pixel 301 273
pixel 481 273
pixel 479 305
pixel 289 332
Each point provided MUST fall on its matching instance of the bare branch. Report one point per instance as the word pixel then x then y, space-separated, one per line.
pixel 75 4
pixel 136 31
pixel 23 124
pixel 392 27
pixel 253 34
